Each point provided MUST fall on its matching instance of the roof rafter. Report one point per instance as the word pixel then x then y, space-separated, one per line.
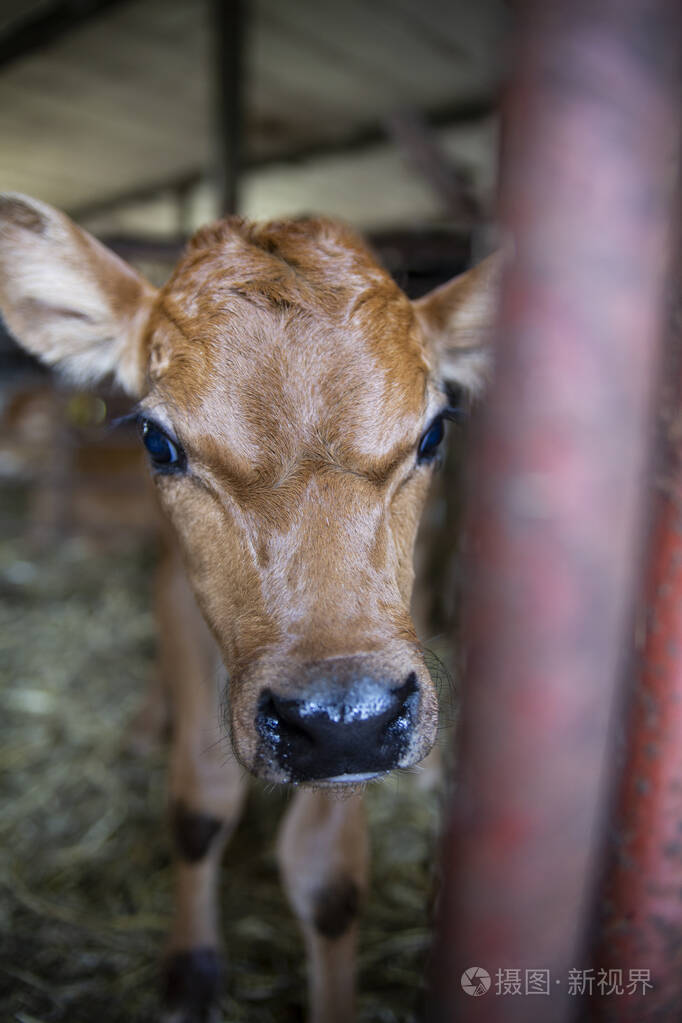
pixel 37 29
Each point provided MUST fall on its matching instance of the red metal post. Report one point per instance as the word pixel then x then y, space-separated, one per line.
pixel 557 509
pixel 639 951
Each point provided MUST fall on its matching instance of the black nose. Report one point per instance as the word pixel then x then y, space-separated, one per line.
pixel 363 730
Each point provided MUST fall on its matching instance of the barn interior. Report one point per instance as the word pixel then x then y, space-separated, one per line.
pixel 143 120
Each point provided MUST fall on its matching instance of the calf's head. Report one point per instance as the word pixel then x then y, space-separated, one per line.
pixel 291 399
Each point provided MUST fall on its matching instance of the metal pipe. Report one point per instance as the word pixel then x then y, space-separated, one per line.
pixel 639 949
pixel 558 502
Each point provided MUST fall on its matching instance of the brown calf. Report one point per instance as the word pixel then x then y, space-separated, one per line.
pixel 291 399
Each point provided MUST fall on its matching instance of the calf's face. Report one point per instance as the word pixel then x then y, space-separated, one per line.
pixel 291 399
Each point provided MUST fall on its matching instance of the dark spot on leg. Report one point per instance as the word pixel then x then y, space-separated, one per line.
pixel 336 907
pixel 193 832
pixel 191 984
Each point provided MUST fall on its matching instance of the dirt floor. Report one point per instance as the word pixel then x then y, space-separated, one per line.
pixel 85 876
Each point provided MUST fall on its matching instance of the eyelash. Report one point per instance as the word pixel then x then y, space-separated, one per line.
pixel 431 440
pixel 427 452
pixel 158 445
pixel 176 462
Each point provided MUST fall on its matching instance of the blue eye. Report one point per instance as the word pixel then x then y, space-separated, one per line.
pixel 431 440
pixel 164 453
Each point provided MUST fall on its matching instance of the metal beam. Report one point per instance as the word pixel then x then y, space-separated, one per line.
pixel 424 152
pixel 38 29
pixel 229 26
pixel 176 186
pixel 469 111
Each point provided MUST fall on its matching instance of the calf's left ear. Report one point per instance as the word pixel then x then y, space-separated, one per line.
pixel 458 321
pixel 68 299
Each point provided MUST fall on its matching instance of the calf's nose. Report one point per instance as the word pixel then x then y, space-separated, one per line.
pixel 347 735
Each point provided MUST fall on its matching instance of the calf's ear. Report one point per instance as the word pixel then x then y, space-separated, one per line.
pixel 458 321
pixel 68 299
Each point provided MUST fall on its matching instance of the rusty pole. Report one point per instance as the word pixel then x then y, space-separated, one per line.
pixel 558 502
pixel 638 959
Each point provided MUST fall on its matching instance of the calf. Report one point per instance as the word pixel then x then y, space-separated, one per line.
pixel 291 400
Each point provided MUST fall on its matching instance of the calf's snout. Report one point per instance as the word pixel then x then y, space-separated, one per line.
pixel 339 734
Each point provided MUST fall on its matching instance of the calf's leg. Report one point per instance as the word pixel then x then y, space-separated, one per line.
pixel 324 855
pixel 207 788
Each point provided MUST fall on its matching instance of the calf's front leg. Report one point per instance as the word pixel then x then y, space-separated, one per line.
pixel 323 854
pixel 207 788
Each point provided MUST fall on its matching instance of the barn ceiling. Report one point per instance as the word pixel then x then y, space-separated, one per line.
pixel 122 104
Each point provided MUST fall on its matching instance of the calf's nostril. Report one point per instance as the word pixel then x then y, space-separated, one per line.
pixel 279 719
pixel 403 693
pixel 400 716
pixel 291 720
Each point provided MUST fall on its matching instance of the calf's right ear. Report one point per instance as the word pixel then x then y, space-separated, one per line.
pixel 458 320
pixel 68 299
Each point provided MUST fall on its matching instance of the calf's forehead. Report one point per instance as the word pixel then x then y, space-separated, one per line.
pixel 291 321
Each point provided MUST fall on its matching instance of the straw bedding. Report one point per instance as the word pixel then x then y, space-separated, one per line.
pixel 85 855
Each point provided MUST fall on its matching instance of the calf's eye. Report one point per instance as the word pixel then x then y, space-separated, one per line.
pixel 431 440
pixel 165 454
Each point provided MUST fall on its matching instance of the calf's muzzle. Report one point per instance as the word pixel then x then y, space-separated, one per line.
pixel 339 733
